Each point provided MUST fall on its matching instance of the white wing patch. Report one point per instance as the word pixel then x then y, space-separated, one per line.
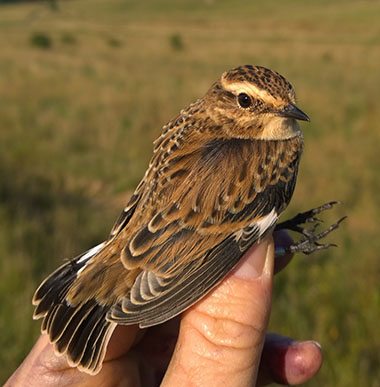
pixel 255 230
pixel 267 222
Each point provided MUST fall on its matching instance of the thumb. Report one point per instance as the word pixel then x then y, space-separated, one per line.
pixel 221 337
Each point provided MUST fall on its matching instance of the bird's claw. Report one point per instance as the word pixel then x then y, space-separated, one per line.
pixel 310 241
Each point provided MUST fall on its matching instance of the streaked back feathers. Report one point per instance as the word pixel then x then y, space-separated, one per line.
pixel 221 173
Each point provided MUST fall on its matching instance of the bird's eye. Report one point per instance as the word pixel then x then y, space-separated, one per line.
pixel 244 100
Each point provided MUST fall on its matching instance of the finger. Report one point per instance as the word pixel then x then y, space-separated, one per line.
pixel 122 339
pixel 221 337
pixel 156 348
pixel 288 361
pixel 43 367
pixel 159 342
pixel 282 239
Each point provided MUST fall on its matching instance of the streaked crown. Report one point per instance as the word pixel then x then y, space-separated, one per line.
pixel 264 81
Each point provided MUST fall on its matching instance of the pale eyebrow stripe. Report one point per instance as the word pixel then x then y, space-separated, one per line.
pixel 248 88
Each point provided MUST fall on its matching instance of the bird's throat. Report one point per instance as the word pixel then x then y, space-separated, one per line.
pixel 279 128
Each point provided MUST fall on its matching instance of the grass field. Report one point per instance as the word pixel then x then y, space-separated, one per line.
pixel 85 88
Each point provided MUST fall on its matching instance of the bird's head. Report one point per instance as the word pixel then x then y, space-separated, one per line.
pixel 253 102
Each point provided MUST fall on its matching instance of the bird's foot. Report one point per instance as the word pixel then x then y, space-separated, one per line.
pixel 310 240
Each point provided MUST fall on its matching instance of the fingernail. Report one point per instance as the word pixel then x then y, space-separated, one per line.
pixel 253 263
pixel 319 346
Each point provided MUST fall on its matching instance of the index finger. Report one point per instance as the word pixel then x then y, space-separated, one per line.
pixel 281 239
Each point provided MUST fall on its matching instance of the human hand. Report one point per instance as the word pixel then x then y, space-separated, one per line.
pixel 219 341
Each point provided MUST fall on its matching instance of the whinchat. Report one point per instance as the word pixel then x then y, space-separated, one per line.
pixel 221 174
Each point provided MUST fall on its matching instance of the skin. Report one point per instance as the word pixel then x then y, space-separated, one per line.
pixel 220 341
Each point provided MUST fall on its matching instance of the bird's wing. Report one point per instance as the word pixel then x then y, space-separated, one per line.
pixel 194 239
pixel 126 215
pixel 155 299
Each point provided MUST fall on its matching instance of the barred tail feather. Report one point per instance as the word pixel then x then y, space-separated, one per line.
pixel 81 332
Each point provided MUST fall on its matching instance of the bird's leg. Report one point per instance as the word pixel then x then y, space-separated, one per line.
pixel 310 240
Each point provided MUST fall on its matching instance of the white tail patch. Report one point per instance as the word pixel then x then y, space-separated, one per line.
pixel 86 257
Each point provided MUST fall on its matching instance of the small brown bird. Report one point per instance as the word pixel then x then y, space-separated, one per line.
pixel 221 174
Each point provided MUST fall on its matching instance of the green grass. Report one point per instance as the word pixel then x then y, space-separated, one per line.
pixel 77 121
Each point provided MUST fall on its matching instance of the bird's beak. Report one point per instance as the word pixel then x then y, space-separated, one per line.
pixel 292 111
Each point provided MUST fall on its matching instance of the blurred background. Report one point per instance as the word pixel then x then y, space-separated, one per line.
pixel 85 87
